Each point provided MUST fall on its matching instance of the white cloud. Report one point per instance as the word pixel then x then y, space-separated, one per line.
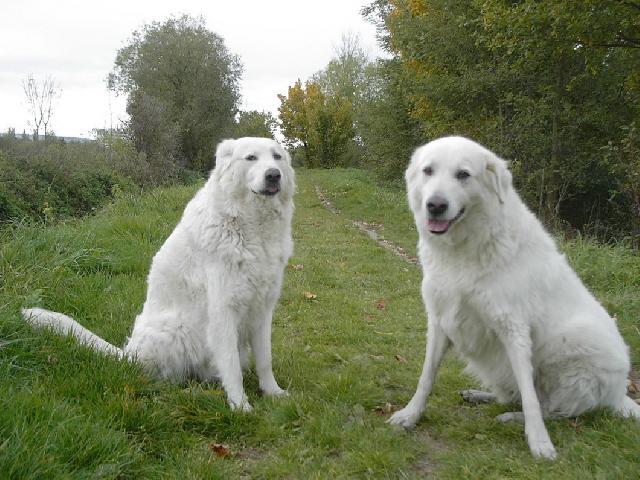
pixel 77 41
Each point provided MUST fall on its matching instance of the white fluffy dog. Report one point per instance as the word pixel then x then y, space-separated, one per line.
pixel 496 289
pixel 214 283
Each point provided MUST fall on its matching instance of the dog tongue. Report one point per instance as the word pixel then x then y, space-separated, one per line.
pixel 438 225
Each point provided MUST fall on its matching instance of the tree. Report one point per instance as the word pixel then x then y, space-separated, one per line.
pixel 320 117
pixel 546 84
pixel 322 126
pixel 387 133
pixel 253 123
pixel 293 118
pixel 183 90
pixel 40 101
pixel 344 76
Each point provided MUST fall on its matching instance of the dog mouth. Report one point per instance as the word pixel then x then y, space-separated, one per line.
pixel 439 227
pixel 268 191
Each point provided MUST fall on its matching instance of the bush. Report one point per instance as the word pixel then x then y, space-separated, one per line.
pixel 53 179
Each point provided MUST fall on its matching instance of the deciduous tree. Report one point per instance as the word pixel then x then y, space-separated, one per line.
pixel 181 77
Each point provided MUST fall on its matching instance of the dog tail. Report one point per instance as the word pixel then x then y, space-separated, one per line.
pixel 65 325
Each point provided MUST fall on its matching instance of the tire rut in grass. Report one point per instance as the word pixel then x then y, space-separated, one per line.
pixel 369 230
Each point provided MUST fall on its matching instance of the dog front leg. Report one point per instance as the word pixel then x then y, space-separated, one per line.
pixel 261 346
pixel 437 344
pixel 537 436
pixel 223 343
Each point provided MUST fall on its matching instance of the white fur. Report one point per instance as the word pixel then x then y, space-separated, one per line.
pixel 497 289
pixel 214 283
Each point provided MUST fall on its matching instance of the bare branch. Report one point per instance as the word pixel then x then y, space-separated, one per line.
pixel 40 98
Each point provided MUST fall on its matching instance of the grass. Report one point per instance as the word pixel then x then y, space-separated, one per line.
pixel 344 355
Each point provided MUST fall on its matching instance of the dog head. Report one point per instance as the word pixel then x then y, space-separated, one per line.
pixel 254 168
pixel 451 179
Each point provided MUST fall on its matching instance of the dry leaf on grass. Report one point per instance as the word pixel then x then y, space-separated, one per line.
pixel 575 423
pixel 381 304
pixel 385 409
pixel 310 295
pixel 400 358
pixel 220 450
pixel 377 357
pixel 297 267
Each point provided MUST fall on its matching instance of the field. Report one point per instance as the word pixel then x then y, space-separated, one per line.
pixel 349 335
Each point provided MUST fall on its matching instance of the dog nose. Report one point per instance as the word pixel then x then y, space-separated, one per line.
pixel 272 175
pixel 437 205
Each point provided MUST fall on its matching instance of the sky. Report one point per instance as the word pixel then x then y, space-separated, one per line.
pixel 76 42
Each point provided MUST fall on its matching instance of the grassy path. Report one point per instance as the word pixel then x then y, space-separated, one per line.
pixel 348 343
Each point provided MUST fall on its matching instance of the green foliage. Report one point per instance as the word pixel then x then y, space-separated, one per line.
pixel 388 134
pixel 320 118
pixel 255 124
pixel 183 91
pixel 322 126
pixel 52 179
pixel 546 84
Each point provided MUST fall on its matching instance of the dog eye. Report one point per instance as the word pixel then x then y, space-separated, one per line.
pixel 462 174
pixel 428 171
pixel 277 156
pixel 251 158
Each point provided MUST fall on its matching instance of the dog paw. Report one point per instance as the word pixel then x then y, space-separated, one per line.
pixel 507 417
pixel 539 442
pixel 543 449
pixel 240 406
pixel 407 418
pixel 276 392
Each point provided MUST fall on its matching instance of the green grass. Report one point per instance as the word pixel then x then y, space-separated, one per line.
pixel 69 413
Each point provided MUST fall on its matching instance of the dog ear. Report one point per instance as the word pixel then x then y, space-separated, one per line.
pixel 224 152
pixel 411 176
pixel 225 149
pixel 289 178
pixel 498 176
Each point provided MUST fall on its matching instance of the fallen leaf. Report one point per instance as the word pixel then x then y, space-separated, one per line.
pixel 385 409
pixel 381 304
pixel 400 358
pixel 576 425
pixel 377 357
pixel 220 450
pixel 369 318
pixel 298 266
pixel 633 387
pixel 310 295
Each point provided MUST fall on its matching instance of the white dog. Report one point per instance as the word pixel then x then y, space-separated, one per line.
pixel 214 283
pixel 496 288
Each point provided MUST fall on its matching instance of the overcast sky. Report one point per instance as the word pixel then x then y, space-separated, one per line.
pixel 76 42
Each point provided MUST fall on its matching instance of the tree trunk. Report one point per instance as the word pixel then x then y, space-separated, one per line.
pixel 554 181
